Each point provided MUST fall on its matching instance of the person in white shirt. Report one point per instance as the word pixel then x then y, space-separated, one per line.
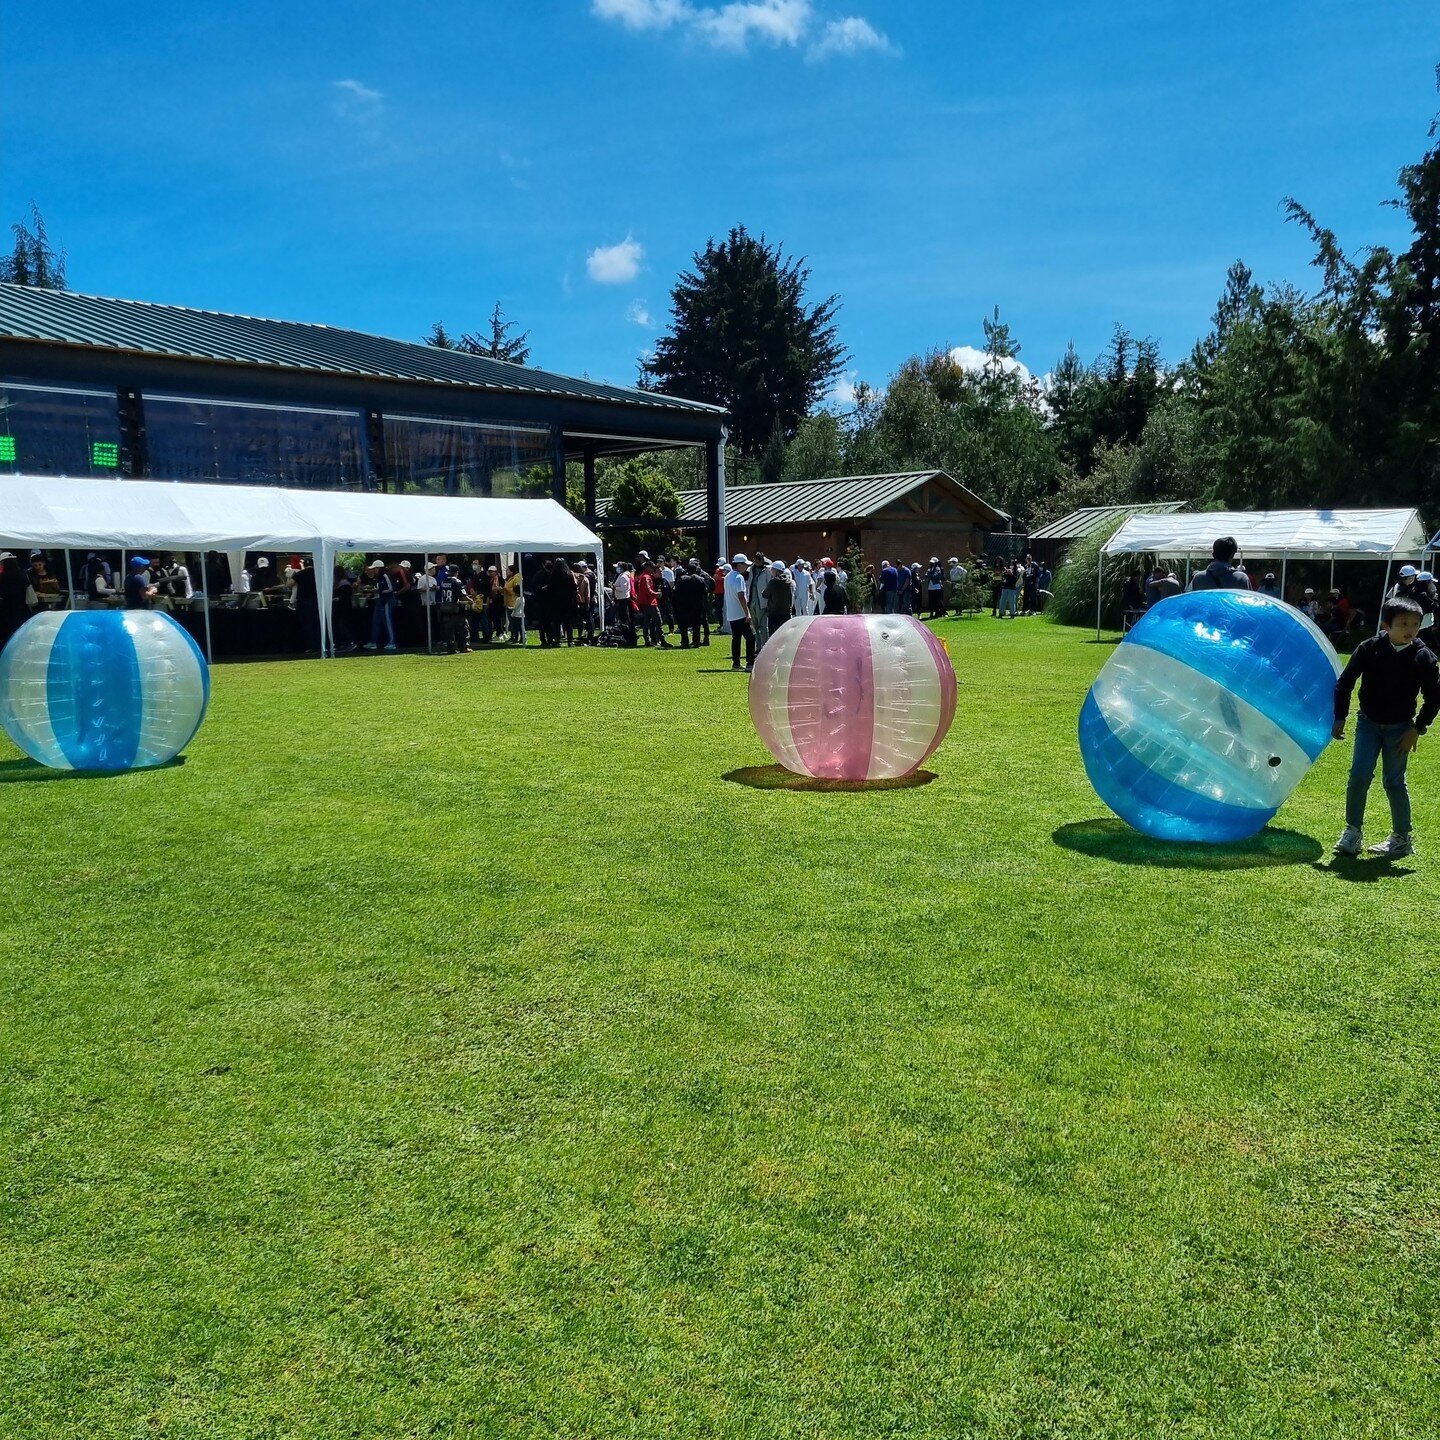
pixel 737 611
pixel 623 593
pixel 804 587
pixel 956 577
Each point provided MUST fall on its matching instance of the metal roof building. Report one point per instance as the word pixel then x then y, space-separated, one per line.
pixel 928 507
pixel 1049 541
pixel 91 385
pixel 1092 518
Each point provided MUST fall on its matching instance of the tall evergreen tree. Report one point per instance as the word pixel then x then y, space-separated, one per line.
pixel 34 260
pixel 498 344
pixel 742 335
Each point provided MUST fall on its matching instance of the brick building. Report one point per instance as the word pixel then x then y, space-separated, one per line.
pixel 907 517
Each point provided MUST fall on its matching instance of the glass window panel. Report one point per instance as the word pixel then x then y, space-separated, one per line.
pixel 52 430
pixel 426 455
pixel 245 444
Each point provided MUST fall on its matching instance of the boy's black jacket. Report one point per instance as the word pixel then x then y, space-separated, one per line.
pixel 1390 682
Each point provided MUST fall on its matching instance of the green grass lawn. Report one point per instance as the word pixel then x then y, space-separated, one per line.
pixel 449 1047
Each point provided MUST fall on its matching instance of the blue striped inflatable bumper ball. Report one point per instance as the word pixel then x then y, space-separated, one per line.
pixel 1208 715
pixel 102 690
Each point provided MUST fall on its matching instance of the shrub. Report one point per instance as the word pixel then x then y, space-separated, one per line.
pixel 1072 592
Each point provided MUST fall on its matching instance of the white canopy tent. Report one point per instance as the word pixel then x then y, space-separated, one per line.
pixel 132 515
pixel 1385 535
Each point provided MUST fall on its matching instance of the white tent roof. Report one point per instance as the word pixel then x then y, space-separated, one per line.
pixel 66 514
pixel 1329 534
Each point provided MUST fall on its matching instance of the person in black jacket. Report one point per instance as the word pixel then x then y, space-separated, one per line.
pixel 13 610
pixel 1393 672
pixel 559 604
pixel 834 597
pixel 692 595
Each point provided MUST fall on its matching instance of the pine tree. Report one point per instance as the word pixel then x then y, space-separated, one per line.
pixel 34 260
pixel 743 336
pixel 497 345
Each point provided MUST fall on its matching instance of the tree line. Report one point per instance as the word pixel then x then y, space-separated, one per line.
pixel 1294 397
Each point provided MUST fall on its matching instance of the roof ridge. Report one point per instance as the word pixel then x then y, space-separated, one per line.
pixel 731 488
pixel 336 330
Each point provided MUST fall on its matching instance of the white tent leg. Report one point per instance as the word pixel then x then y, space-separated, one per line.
pixel 70 581
pixel 425 570
pixel 205 610
pixel 323 560
pixel 1283 559
pixel 1384 589
pixel 1099 576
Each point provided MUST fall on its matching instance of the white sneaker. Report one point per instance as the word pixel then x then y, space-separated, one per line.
pixel 1350 841
pixel 1397 847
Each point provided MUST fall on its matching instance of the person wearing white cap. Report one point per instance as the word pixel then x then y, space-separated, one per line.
pixel 934 588
pixel 1307 603
pixel 382 605
pixel 804 587
pixel 1428 600
pixel 737 611
pixel 622 592
pixel 584 617
pixel 779 598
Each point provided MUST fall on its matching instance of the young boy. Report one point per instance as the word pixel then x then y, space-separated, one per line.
pixel 1393 672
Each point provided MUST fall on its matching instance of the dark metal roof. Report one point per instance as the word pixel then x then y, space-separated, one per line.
pixel 62 317
pixel 1092 518
pixel 812 502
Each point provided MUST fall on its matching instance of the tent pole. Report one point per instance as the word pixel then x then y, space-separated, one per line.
pixel 1283 557
pixel 70 581
pixel 205 610
pixel 1332 569
pixel 1384 589
pixel 425 571
pixel 1187 571
pixel 1099 575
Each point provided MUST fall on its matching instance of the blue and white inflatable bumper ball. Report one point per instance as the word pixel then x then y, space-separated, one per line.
pixel 104 690
pixel 1208 715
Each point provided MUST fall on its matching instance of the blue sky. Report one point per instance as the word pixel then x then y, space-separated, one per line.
pixel 382 167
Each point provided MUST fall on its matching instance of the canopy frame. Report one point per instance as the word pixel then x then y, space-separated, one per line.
pixel 1393 534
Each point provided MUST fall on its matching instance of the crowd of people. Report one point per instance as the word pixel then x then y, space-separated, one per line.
pixel 1331 609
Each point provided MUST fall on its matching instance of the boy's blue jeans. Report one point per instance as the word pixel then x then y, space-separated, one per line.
pixel 1372 742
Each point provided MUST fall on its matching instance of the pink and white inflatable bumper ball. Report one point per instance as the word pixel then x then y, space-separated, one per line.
pixel 852 697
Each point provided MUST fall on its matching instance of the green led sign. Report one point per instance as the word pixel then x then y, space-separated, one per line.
pixel 7 449
pixel 104 455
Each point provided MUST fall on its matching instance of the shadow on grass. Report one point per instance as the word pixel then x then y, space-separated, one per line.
pixel 1360 870
pixel 1114 840
pixel 777 777
pixel 31 772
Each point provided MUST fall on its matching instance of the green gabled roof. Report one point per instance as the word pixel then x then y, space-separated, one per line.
pixel 62 317
pixel 813 502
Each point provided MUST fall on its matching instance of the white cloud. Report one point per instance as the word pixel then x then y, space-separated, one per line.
pixel 776 22
pixel 842 392
pixel 615 264
pixel 643 14
pixel 639 314
pixel 356 101
pixel 974 361
pixel 850 36
pixel 734 25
